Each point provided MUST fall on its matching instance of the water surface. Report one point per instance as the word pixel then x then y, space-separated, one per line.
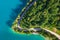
pixel 6 32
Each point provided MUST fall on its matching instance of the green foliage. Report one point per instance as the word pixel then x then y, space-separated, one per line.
pixel 45 13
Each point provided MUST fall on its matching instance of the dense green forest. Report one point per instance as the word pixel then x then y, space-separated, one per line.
pixel 44 13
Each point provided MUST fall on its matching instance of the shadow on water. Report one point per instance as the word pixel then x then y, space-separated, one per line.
pixel 15 13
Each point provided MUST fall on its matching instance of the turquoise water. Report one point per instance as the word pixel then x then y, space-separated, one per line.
pixel 6 32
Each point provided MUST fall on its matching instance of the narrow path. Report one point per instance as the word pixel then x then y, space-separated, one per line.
pixel 18 25
pixel 25 11
pixel 53 33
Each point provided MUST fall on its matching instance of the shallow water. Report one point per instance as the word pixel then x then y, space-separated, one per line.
pixel 6 32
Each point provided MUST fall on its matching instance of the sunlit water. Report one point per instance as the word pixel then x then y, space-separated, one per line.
pixel 6 32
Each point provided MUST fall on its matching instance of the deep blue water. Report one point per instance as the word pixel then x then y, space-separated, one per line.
pixel 6 32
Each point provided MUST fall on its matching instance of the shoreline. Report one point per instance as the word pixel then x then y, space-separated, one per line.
pixel 33 29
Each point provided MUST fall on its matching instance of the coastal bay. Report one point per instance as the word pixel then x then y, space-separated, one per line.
pixel 6 32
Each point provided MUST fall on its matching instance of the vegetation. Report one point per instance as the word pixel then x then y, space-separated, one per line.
pixel 43 14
